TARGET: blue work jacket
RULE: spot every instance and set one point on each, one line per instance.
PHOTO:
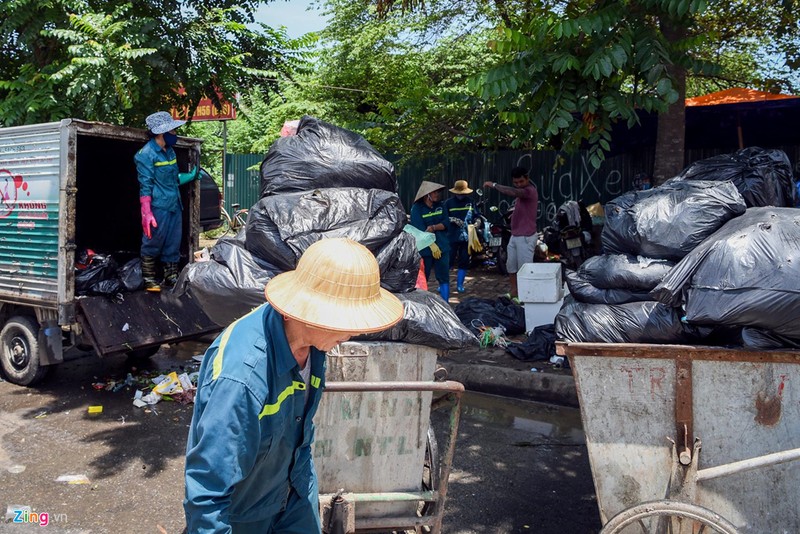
(158, 176)
(461, 208)
(251, 432)
(422, 216)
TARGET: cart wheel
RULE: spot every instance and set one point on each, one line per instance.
(668, 516)
(430, 472)
(19, 351)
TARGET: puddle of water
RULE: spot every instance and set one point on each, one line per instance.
(557, 423)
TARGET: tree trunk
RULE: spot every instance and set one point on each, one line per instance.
(671, 135)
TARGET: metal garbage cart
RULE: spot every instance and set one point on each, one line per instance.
(377, 459)
(691, 439)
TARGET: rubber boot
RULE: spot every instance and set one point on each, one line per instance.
(149, 274)
(444, 291)
(170, 274)
(462, 274)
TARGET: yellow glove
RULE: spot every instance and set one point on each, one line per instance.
(437, 252)
(473, 243)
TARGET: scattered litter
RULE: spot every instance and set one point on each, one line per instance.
(167, 385)
(126, 327)
(558, 361)
(95, 409)
(74, 479)
(198, 357)
(41, 415)
(140, 400)
(493, 337)
(534, 370)
(15, 469)
(122, 418)
(488, 361)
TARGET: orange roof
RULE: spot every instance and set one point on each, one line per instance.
(735, 95)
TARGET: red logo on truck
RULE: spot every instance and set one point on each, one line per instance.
(9, 184)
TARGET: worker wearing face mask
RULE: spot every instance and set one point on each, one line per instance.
(160, 201)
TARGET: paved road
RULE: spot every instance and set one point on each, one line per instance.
(513, 472)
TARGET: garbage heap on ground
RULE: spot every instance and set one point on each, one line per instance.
(710, 257)
(323, 182)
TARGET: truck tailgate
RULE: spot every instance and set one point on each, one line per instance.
(141, 320)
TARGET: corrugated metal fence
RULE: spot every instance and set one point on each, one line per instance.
(559, 177)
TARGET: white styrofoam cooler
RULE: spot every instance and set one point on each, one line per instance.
(540, 282)
(539, 313)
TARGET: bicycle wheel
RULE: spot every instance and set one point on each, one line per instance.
(669, 517)
(225, 227)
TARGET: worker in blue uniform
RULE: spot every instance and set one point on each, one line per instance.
(249, 467)
(429, 215)
(160, 200)
(459, 208)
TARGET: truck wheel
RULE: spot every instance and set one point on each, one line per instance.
(19, 351)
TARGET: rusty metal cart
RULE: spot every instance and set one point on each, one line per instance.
(645, 410)
(376, 456)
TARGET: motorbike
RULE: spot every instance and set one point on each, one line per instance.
(569, 235)
(500, 231)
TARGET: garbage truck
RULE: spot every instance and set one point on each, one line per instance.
(69, 187)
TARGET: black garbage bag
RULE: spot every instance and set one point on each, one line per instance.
(322, 155)
(399, 263)
(746, 274)
(106, 288)
(667, 222)
(130, 275)
(540, 345)
(476, 312)
(281, 227)
(229, 285)
(763, 177)
(755, 338)
(101, 267)
(624, 271)
(582, 291)
(635, 322)
(427, 320)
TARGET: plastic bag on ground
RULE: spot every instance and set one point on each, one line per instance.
(624, 271)
(746, 274)
(230, 285)
(427, 320)
(763, 177)
(321, 155)
(636, 322)
(582, 291)
(399, 263)
(281, 227)
(477, 312)
(540, 345)
(667, 222)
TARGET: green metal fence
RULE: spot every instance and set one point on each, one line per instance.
(559, 177)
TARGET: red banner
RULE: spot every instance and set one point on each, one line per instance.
(206, 111)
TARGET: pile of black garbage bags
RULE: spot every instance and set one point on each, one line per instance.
(323, 182)
(710, 257)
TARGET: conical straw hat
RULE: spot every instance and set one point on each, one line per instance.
(427, 187)
(461, 188)
(336, 286)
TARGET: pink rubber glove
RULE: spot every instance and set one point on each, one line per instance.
(147, 216)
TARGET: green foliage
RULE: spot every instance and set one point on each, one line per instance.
(568, 76)
(118, 61)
